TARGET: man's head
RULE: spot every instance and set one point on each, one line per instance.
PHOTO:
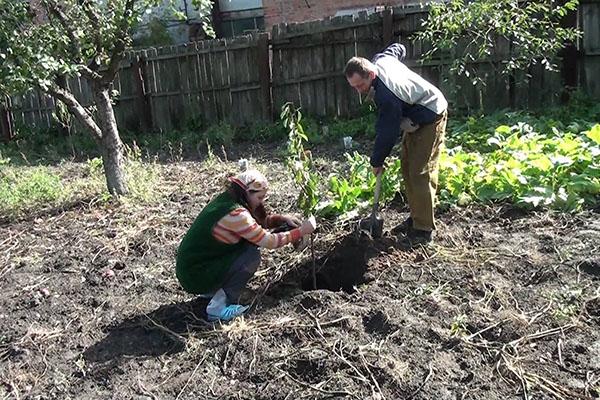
(360, 73)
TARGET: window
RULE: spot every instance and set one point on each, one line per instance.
(240, 16)
(241, 26)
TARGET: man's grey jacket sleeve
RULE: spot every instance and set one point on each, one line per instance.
(395, 50)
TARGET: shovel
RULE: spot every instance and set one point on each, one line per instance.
(375, 223)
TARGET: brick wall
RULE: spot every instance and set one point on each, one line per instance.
(278, 11)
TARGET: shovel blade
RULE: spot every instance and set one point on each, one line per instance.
(373, 225)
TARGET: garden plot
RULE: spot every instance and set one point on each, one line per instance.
(504, 305)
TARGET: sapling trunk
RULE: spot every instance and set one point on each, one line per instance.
(300, 163)
(314, 264)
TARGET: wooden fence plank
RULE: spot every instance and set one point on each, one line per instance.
(590, 17)
(263, 69)
(6, 120)
(209, 84)
(319, 86)
(186, 114)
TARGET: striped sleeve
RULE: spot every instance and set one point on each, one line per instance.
(239, 223)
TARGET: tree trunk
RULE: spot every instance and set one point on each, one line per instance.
(112, 147)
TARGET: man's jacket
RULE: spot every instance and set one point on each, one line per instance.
(400, 93)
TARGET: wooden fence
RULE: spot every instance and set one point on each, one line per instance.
(590, 21)
(245, 80)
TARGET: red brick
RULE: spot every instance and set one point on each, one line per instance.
(278, 11)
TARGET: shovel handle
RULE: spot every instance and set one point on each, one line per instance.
(377, 193)
(376, 198)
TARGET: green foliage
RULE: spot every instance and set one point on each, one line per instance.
(458, 327)
(23, 187)
(300, 162)
(142, 175)
(263, 131)
(567, 302)
(468, 32)
(553, 168)
(49, 39)
(352, 188)
(157, 35)
(62, 118)
(27, 187)
(550, 160)
(222, 133)
(362, 126)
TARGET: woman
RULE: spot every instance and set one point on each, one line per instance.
(220, 252)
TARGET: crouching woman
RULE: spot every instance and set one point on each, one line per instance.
(221, 250)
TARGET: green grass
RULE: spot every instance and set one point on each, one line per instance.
(24, 189)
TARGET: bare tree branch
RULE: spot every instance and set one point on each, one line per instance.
(121, 41)
(77, 109)
(89, 73)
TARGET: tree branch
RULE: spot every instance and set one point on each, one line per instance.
(67, 24)
(89, 73)
(87, 7)
(117, 53)
(77, 109)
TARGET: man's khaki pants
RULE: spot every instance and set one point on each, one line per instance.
(420, 165)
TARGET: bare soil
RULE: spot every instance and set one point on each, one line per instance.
(504, 305)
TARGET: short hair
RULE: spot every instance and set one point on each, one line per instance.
(357, 65)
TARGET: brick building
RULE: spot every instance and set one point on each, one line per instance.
(278, 11)
(235, 17)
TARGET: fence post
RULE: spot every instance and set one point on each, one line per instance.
(6, 120)
(570, 60)
(388, 27)
(141, 98)
(264, 72)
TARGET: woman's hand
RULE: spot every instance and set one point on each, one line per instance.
(308, 226)
(292, 221)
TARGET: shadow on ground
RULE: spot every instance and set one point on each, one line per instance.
(153, 334)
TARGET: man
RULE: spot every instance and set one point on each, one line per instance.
(414, 110)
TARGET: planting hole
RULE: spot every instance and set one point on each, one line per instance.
(342, 269)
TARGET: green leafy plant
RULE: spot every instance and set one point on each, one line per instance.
(300, 162)
(458, 327)
(568, 303)
(220, 134)
(551, 160)
(352, 188)
(464, 34)
(25, 187)
(555, 169)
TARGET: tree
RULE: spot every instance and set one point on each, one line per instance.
(470, 32)
(44, 42)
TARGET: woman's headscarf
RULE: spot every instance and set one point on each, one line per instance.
(251, 181)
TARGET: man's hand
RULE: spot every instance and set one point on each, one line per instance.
(407, 126)
(378, 170)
